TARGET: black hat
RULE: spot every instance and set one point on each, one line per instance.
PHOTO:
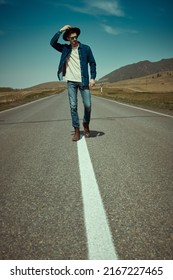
(69, 31)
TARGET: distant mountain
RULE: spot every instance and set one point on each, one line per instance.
(140, 69)
(49, 85)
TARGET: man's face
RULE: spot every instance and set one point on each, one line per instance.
(73, 39)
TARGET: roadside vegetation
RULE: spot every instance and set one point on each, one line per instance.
(10, 98)
(160, 100)
(152, 91)
(155, 91)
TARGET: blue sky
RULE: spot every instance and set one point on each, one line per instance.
(119, 32)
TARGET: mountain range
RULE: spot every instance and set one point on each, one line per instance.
(139, 69)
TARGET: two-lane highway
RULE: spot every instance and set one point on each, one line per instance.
(110, 196)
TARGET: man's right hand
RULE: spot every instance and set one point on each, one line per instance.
(66, 27)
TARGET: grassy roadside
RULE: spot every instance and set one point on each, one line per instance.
(157, 100)
(10, 98)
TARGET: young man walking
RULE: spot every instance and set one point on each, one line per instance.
(73, 67)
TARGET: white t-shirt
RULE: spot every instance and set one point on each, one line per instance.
(73, 69)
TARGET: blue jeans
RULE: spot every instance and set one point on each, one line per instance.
(73, 100)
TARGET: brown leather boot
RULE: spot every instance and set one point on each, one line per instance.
(86, 130)
(76, 135)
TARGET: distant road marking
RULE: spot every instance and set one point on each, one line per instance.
(139, 108)
(100, 244)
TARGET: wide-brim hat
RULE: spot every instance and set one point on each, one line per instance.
(69, 31)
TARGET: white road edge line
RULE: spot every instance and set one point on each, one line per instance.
(139, 108)
(26, 104)
(99, 237)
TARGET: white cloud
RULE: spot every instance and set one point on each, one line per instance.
(97, 7)
(116, 30)
(110, 30)
(106, 7)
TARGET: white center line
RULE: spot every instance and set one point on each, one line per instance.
(100, 244)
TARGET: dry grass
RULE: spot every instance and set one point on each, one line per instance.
(11, 98)
(154, 91)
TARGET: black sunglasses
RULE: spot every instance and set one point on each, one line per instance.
(73, 37)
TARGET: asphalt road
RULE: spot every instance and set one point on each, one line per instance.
(42, 202)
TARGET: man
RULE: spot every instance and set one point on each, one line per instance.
(73, 66)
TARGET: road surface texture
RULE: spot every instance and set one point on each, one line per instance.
(106, 197)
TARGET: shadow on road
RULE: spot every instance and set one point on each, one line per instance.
(93, 133)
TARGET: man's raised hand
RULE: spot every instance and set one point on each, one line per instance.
(65, 27)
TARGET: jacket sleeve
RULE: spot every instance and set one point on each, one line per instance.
(54, 42)
(92, 64)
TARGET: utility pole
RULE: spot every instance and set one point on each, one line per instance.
(101, 88)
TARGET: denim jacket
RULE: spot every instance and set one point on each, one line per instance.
(85, 56)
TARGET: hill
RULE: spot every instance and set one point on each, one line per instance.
(49, 85)
(136, 70)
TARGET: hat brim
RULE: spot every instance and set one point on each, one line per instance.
(71, 30)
